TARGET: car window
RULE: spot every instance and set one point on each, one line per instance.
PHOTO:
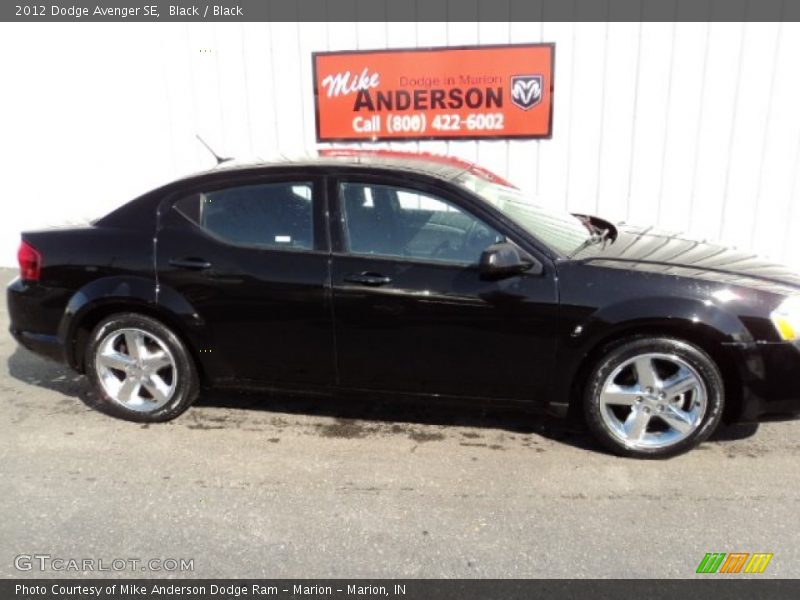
(273, 215)
(558, 229)
(392, 221)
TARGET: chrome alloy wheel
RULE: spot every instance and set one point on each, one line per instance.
(136, 369)
(653, 400)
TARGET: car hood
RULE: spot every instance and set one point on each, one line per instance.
(646, 248)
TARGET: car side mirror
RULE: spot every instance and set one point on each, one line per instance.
(506, 260)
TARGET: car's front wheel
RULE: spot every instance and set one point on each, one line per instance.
(653, 397)
(140, 370)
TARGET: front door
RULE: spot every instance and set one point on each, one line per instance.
(251, 259)
(412, 313)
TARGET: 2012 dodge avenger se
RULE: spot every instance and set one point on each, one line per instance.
(411, 274)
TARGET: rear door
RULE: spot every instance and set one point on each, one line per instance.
(251, 258)
(412, 312)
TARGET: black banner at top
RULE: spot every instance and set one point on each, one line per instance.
(401, 10)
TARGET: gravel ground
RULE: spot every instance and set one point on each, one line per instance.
(265, 486)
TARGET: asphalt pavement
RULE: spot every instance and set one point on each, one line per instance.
(248, 485)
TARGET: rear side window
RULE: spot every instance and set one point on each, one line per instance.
(270, 215)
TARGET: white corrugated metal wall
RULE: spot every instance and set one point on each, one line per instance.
(693, 126)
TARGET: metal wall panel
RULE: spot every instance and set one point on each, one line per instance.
(691, 126)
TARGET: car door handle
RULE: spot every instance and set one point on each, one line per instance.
(370, 279)
(195, 264)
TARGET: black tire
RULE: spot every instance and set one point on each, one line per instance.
(618, 354)
(187, 383)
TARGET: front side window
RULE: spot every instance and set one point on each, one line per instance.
(269, 215)
(390, 221)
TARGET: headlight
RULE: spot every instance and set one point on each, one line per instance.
(786, 318)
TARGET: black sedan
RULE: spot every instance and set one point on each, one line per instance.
(413, 275)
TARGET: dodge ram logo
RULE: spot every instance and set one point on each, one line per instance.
(526, 90)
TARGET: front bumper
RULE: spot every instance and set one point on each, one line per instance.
(770, 377)
(779, 386)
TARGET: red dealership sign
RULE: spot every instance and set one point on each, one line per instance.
(435, 93)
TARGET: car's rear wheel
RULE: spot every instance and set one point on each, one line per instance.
(140, 370)
(653, 397)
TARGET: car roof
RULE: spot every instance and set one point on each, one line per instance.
(438, 166)
(446, 168)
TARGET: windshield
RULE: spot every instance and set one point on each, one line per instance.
(559, 230)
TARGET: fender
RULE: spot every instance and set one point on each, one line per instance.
(193, 327)
(693, 318)
(706, 317)
(133, 293)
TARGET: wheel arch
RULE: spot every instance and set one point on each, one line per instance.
(708, 339)
(105, 297)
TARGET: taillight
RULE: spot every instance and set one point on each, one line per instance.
(30, 262)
